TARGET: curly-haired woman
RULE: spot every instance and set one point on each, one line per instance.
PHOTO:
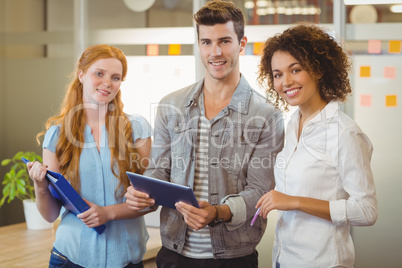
(324, 182)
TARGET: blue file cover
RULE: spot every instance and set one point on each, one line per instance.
(166, 194)
(62, 190)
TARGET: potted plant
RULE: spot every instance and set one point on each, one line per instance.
(17, 184)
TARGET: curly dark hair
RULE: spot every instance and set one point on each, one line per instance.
(318, 53)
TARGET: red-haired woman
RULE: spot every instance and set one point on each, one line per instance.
(92, 142)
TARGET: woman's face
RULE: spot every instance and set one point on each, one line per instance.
(292, 82)
(102, 81)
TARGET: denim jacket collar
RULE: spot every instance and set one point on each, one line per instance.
(240, 100)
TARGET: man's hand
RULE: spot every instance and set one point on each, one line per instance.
(137, 200)
(197, 218)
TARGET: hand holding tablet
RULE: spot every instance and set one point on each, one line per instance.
(165, 194)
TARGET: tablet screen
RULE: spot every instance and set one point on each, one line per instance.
(165, 194)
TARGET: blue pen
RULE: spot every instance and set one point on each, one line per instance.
(255, 216)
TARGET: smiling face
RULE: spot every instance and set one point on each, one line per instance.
(293, 83)
(219, 50)
(102, 81)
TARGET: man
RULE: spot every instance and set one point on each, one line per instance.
(220, 137)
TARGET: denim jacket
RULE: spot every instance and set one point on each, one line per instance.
(245, 139)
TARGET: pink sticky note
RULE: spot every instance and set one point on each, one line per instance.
(374, 46)
(152, 50)
(365, 100)
(390, 72)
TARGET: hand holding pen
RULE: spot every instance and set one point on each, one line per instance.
(255, 216)
(274, 200)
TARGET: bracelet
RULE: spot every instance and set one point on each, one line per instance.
(219, 217)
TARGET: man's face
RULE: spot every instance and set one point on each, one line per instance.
(219, 50)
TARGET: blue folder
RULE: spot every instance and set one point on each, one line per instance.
(62, 190)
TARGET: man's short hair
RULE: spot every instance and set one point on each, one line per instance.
(220, 12)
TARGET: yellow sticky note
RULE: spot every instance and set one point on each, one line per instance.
(394, 46)
(374, 46)
(391, 100)
(365, 71)
(152, 50)
(365, 100)
(174, 49)
(390, 72)
(257, 48)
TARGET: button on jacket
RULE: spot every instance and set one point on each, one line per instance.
(244, 140)
(331, 161)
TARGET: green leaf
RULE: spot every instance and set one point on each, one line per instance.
(21, 189)
(18, 155)
(2, 200)
(12, 194)
(21, 173)
(5, 162)
(21, 182)
(7, 178)
(6, 190)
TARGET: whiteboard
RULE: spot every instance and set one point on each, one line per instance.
(149, 79)
(380, 245)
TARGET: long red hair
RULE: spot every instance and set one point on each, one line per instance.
(72, 121)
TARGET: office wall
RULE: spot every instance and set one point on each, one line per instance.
(2, 68)
(380, 245)
(2, 101)
(31, 92)
(12, 102)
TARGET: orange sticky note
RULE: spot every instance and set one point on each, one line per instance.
(390, 72)
(365, 71)
(152, 50)
(257, 48)
(391, 100)
(174, 49)
(374, 46)
(394, 46)
(365, 100)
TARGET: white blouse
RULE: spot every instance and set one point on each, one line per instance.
(331, 161)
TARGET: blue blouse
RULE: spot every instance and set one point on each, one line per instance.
(123, 241)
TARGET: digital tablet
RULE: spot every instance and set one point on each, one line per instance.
(165, 194)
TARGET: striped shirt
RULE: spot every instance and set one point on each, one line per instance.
(198, 243)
